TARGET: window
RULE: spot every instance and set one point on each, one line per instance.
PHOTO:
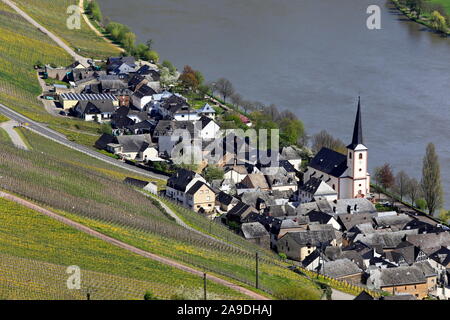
(334, 187)
(208, 198)
(360, 156)
(350, 155)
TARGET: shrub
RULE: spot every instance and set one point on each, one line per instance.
(149, 296)
(294, 293)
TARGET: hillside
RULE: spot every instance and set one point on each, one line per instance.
(91, 192)
(36, 250)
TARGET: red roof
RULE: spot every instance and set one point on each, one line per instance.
(244, 119)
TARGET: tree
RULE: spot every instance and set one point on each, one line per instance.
(413, 189)
(401, 183)
(151, 56)
(225, 88)
(431, 179)
(444, 215)
(438, 22)
(128, 41)
(324, 139)
(213, 172)
(236, 100)
(167, 64)
(191, 78)
(384, 176)
(149, 44)
(292, 131)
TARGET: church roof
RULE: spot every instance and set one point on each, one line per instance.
(357, 130)
(330, 162)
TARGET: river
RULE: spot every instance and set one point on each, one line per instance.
(314, 57)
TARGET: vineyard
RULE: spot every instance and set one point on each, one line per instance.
(22, 46)
(101, 201)
(53, 16)
(35, 251)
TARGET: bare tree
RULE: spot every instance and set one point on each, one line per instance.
(325, 140)
(225, 88)
(413, 190)
(401, 183)
(237, 100)
(431, 179)
(272, 112)
(385, 177)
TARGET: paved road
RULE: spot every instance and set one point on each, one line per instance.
(59, 42)
(59, 138)
(120, 244)
(16, 139)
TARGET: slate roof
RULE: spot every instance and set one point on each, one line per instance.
(134, 143)
(104, 140)
(330, 162)
(387, 240)
(362, 206)
(400, 276)
(225, 198)
(289, 153)
(310, 258)
(426, 268)
(167, 127)
(364, 296)
(280, 210)
(136, 182)
(340, 268)
(310, 237)
(95, 107)
(357, 130)
(348, 220)
(398, 221)
(318, 216)
(240, 210)
(196, 186)
(441, 256)
(254, 230)
(144, 91)
(180, 179)
(430, 240)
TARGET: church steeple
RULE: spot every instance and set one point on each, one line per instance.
(357, 130)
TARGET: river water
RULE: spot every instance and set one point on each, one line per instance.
(314, 57)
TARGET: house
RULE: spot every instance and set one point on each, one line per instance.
(388, 241)
(146, 185)
(394, 222)
(430, 274)
(98, 111)
(225, 185)
(298, 245)
(406, 254)
(316, 189)
(134, 147)
(104, 140)
(180, 182)
(349, 220)
(225, 202)
(364, 296)
(291, 155)
(313, 261)
(168, 133)
(70, 100)
(323, 218)
(235, 173)
(208, 128)
(343, 269)
(121, 65)
(142, 96)
(239, 213)
(429, 242)
(440, 261)
(255, 181)
(200, 197)
(151, 74)
(207, 111)
(401, 280)
(347, 174)
(256, 233)
(281, 182)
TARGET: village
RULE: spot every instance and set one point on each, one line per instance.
(317, 212)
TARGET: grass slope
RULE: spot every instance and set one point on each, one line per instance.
(53, 16)
(36, 250)
(95, 196)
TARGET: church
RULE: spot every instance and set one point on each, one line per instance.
(346, 174)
